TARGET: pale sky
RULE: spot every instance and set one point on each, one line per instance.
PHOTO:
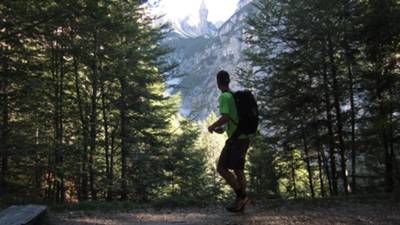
(218, 10)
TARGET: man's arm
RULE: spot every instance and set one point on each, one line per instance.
(221, 121)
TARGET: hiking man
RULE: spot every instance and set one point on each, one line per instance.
(233, 154)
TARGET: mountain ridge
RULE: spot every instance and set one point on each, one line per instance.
(202, 57)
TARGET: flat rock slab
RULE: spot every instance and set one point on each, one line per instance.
(22, 214)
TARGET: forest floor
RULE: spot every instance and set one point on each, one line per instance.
(359, 210)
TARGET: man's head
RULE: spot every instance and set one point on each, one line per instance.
(223, 80)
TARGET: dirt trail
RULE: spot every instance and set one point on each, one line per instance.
(281, 213)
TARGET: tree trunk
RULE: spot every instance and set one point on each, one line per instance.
(326, 168)
(321, 180)
(106, 140)
(53, 164)
(293, 169)
(93, 119)
(332, 158)
(123, 136)
(307, 160)
(58, 192)
(83, 189)
(339, 120)
(321, 160)
(60, 155)
(349, 60)
(38, 165)
(388, 163)
(4, 138)
(113, 135)
(386, 133)
(353, 132)
(391, 140)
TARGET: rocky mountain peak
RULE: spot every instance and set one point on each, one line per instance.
(242, 3)
(201, 57)
(186, 28)
(203, 23)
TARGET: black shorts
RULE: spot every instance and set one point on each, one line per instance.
(233, 154)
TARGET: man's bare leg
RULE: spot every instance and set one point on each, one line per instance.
(229, 178)
(241, 179)
(237, 181)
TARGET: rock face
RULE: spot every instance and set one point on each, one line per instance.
(201, 57)
(243, 3)
(203, 27)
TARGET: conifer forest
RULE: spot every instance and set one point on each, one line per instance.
(85, 114)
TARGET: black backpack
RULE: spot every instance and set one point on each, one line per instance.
(247, 108)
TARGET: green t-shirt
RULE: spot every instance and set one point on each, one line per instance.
(227, 105)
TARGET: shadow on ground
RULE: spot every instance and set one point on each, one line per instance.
(307, 212)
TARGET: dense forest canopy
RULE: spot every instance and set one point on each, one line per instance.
(84, 114)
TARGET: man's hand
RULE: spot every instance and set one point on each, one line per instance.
(219, 123)
(219, 130)
(211, 129)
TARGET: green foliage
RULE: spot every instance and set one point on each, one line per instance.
(291, 169)
(186, 164)
(213, 144)
(264, 166)
(324, 73)
(84, 115)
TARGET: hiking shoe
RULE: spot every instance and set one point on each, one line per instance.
(239, 205)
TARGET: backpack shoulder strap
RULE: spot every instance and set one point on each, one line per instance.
(233, 96)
